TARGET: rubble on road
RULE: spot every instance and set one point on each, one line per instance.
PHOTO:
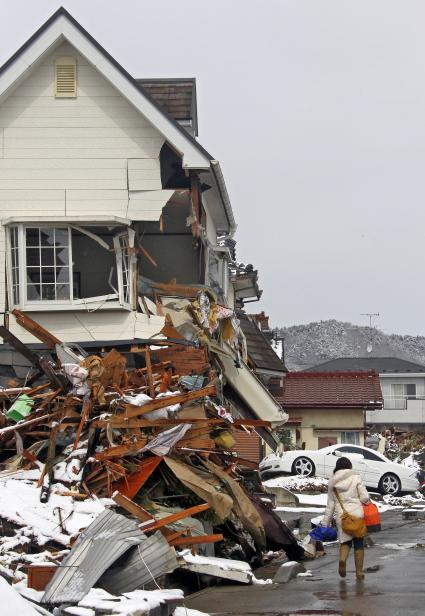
(112, 474)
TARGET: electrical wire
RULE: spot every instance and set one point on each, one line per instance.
(149, 571)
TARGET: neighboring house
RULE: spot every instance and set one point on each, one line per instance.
(268, 367)
(107, 198)
(328, 408)
(403, 389)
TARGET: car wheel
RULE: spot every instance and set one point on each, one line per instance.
(303, 467)
(389, 484)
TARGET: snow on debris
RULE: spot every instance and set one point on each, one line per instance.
(410, 462)
(298, 484)
(16, 605)
(135, 603)
(226, 564)
(406, 500)
(20, 504)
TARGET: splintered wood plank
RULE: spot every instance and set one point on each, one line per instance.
(133, 508)
(134, 411)
(131, 484)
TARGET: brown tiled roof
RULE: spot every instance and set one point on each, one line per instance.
(332, 389)
(177, 96)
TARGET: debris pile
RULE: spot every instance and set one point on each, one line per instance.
(116, 466)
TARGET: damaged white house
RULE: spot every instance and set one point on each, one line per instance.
(104, 188)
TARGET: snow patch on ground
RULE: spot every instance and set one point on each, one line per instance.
(184, 611)
(294, 483)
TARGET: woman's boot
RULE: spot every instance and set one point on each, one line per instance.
(344, 551)
(359, 560)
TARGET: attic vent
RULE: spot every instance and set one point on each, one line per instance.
(65, 78)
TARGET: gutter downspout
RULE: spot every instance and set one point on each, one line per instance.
(224, 195)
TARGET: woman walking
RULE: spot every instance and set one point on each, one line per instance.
(351, 495)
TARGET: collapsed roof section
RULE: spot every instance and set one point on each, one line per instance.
(177, 97)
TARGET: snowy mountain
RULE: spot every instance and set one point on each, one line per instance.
(311, 344)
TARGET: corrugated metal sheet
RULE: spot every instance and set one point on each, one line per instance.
(135, 569)
(100, 545)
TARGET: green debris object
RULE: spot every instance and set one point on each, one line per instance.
(20, 409)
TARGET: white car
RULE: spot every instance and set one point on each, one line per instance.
(376, 471)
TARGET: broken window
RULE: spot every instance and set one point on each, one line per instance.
(68, 264)
(171, 244)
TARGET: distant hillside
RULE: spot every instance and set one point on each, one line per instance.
(307, 345)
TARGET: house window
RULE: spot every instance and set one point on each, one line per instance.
(400, 393)
(48, 264)
(69, 265)
(351, 438)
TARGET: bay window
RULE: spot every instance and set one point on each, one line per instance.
(67, 265)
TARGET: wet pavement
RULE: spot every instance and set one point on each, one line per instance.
(394, 585)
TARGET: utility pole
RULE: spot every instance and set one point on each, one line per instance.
(370, 315)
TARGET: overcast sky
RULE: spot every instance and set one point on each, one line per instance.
(316, 110)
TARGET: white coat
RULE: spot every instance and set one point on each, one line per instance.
(352, 494)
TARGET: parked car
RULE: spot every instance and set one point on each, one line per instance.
(375, 469)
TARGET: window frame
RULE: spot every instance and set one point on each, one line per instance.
(69, 304)
(356, 432)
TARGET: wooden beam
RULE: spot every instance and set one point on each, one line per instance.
(197, 539)
(121, 450)
(116, 421)
(35, 329)
(133, 508)
(84, 413)
(134, 411)
(149, 372)
(30, 422)
(175, 517)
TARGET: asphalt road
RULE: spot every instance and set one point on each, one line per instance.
(397, 587)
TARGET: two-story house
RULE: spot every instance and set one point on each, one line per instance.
(403, 389)
(107, 199)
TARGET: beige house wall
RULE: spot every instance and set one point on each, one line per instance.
(327, 423)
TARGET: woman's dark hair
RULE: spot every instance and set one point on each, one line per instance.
(341, 464)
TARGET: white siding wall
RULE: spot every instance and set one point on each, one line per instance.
(75, 156)
(83, 156)
(82, 326)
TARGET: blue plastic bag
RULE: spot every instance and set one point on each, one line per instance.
(323, 533)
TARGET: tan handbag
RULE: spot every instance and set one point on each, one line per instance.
(351, 525)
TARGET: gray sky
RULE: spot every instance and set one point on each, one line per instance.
(316, 110)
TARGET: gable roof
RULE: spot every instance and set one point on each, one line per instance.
(332, 390)
(260, 351)
(68, 27)
(176, 95)
(381, 365)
